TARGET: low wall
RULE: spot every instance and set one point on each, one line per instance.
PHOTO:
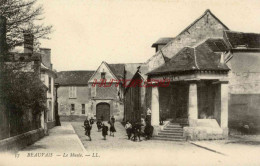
(69, 118)
(20, 141)
(52, 124)
(204, 129)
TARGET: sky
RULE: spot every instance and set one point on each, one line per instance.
(87, 32)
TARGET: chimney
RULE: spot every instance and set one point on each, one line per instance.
(46, 57)
(28, 42)
(3, 46)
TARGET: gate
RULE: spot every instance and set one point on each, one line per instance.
(103, 109)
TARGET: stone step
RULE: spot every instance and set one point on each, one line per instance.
(173, 125)
(180, 128)
(171, 131)
(170, 134)
(168, 139)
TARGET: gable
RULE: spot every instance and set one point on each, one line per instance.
(103, 68)
(204, 27)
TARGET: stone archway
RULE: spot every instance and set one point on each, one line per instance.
(103, 109)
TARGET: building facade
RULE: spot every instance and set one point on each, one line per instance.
(208, 103)
(48, 76)
(74, 94)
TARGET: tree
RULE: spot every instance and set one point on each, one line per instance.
(23, 95)
(21, 91)
(23, 16)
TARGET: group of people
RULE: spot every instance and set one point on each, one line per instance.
(137, 129)
(101, 127)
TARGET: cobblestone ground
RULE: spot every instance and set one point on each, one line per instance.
(152, 152)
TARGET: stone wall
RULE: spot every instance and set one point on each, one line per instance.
(20, 141)
(83, 97)
(205, 27)
(244, 89)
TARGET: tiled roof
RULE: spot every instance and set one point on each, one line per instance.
(240, 39)
(117, 69)
(216, 45)
(163, 40)
(200, 57)
(73, 77)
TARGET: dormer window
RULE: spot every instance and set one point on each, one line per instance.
(103, 75)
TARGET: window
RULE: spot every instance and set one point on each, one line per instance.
(83, 108)
(72, 108)
(72, 92)
(50, 84)
(103, 75)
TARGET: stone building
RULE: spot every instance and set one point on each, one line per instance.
(243, 59)
(214, 94)
(94, 93)
(73, 93)
(197, 95)
(48, 76)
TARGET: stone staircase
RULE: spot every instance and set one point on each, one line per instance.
(171, 132)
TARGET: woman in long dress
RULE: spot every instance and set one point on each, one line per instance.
(112, 128)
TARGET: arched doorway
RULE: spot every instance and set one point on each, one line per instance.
(103, 109)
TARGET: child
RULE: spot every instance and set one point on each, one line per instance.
(137, 131)
(99, 124)
(104, 130)
(91, 121)
(128, 128)
(112, 128)
(88, 128)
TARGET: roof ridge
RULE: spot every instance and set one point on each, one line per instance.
(195, 59)
(74, 70)
(242, 32)
(204, 40)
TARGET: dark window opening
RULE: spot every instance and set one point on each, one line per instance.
(103, 75)
(72, 109)
(83, 108)
(50, 84)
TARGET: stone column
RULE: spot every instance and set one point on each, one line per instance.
(193, 104)
(224, 108)
(155, 107)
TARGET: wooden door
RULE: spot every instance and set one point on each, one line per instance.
(103, 109)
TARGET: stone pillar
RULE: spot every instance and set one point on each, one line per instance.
(155, 107)
(224, 108)
(193, 104)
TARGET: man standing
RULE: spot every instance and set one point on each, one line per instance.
(148, 115)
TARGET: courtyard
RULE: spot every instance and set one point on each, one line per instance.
(69, 139)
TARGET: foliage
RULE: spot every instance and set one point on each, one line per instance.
(21, 88)
(23, 16)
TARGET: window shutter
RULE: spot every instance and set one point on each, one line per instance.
(70, 92)
(75, 92)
